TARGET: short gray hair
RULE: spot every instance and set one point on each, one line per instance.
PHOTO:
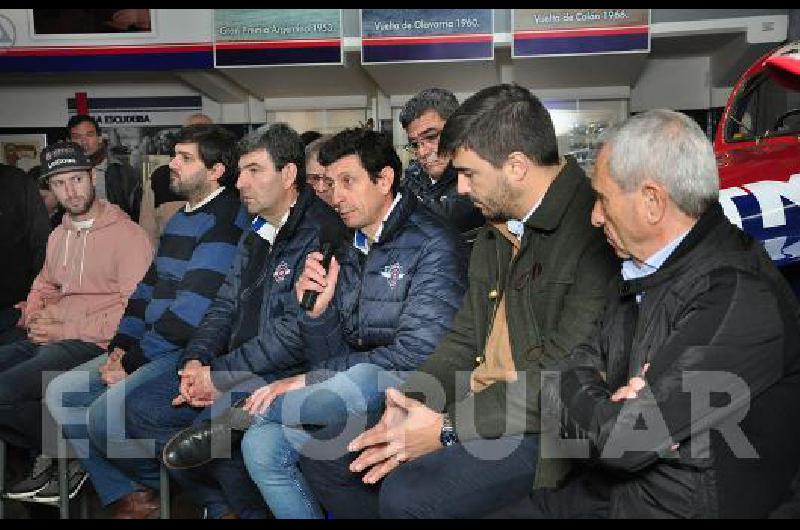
(670, 148)
(439, 100)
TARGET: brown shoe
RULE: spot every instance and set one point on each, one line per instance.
(229, 515)
(137, 505)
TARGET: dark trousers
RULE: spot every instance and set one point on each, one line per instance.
(582, 496)
(222, 485)
(24, 368)
(464, 480)
(9, 332)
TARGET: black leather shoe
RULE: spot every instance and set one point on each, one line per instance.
(200, 444)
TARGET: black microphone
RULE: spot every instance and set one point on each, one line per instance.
(330, 237)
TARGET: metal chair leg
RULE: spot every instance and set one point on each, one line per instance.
(164, 491)
(63, 479)
(84, 503)
(2, 478)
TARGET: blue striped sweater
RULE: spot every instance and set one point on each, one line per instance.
(194, 254)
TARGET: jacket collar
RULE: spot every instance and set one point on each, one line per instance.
(397, 220)
(296, 213)
(448, 178)
(684, 255)
(548, 215)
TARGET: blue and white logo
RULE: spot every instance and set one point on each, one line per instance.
(393, 273)
(282, 271)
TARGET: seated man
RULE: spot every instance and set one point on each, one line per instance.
(249, 335)
(93, 262)
(159, 202)
(408, 286)
(194, 255)
(536, 283)
(431, 176)
(687, 393)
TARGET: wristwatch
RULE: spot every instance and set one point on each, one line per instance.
(448, 435)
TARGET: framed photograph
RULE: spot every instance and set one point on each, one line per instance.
(21, 150)
(64, 23)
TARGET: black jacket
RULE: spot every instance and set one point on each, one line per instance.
(124, 187)
(443, 198)
(719, 327)
(273, 344)
(24, 228)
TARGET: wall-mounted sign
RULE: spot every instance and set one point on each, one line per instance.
(81, 40)
(140, 111)
(265, 37)
(415, 35)
(579, 31)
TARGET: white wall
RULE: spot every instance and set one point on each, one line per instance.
(46, 106)
(681, 83)
(720, 95)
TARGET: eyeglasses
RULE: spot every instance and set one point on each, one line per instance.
(428, 137)
(319, 180)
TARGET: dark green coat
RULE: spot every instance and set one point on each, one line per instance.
(555, 288)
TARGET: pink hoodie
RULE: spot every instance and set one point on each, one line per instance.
(88, 276)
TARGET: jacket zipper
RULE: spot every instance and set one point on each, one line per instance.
(360, 289)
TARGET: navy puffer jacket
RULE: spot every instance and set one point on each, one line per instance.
(277, 347)
(393, 306)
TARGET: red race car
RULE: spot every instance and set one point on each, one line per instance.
(758, 152)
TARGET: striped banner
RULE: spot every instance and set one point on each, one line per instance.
(579, 32)
(86, 58)
(417, 35)
(139, 111)
(279, 52)
(441, 48)
(271, 37)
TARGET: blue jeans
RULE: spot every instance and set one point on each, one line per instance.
(221, 486)
(271, 449)
(25, 369)
(92, 418)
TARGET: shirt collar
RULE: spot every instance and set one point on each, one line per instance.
(516, 226)
(266, 230)
(631, 270)
(83, 225)
(205, 201)
(362, 242)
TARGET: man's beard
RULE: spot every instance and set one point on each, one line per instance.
(495, 208)
(86, 205)
(185, 188)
